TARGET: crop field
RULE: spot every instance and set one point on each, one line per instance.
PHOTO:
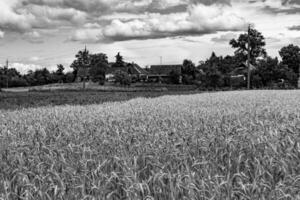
(33, 99)
(230, 145)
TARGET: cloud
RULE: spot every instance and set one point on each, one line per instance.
(290, 2)
(294, 28)
(224, 38)
(24, 68)
(10, 19)
(33, 37)
(86, 35)
(34, 59)
(198, 20)
(46, 17)
(279, 6)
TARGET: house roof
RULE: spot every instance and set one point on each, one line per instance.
(112, 70)
(165, 69)
(252, 67)
(136, 69)
(130, 68)
(243, 68)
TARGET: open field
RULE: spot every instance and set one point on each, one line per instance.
(20, 100)
(230, 145)
(136, 87)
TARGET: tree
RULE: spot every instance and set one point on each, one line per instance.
(189, 68)
(257, 44)
(291, 57)
(175, 77)
(60, 70)
(122, 78)
(99, 65)
(98, 58)
(82, 60)
(189, 72)
(267, 69)
(83, 57)
(119, 61)
(212, 76)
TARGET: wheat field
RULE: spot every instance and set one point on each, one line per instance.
(232, 145)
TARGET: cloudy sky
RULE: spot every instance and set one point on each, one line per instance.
(35, 33)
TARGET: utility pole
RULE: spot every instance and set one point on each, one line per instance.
(248, 63)
(6, 72)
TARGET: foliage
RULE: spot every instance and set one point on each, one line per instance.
(69, 77)
(119, 61)
(233, 145)
(291, 57)
(257, 43)
(82, 60)
(60, 70)
(175, 77)
(122, 78)
(212, 76)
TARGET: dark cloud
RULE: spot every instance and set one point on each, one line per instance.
(82, 5)
(290, 2)
(291, 10)
(169, 10)
(294, 28)
(210, 2)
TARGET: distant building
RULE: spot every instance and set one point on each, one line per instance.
(134, 70)
(165, 70)
(160, 73)
(239, 75)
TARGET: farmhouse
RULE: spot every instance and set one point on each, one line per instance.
(238, 76)
(133, 69)
(161, 73)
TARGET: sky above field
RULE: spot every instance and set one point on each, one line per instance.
(35, 33)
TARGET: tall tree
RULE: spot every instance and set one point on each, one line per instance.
(82, 60)
(60, 70)
(99, 65)
(189, 68)
(119, 61)
(98, 58)
(267, 69)
(257, 44)
(212, 75)
(83, 57)
(291, 57)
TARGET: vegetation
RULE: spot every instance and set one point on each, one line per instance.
(232, 145)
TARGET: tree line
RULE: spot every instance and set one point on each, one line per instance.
(215, 72)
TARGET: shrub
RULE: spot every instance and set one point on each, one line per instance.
(122, 78)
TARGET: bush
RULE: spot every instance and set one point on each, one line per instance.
(122, 78)
(69, 77)
(175, 77)
(18, 82)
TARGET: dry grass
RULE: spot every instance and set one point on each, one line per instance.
(232, 145)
